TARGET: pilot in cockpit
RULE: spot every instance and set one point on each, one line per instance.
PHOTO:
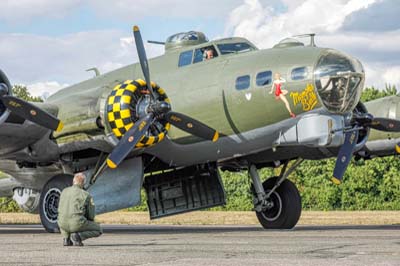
(208, 54)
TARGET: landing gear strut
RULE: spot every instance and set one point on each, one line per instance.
(277, 201)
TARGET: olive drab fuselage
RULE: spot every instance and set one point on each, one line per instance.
(206, 90)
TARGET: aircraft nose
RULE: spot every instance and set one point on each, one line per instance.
(339, 80)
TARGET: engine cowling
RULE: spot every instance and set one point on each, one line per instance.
(363, 133)
(128, 102)
(5, 90)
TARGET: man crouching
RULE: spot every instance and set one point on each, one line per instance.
(76, 213)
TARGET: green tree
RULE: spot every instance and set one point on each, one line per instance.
(372, 93)
(23, 93)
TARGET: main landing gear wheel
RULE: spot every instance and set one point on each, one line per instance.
(49, 199)
(284, 205)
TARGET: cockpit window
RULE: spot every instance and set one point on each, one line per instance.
(204, 53)
(230, 48)
(185, 58)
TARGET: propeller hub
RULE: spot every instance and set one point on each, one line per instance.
(160, 108)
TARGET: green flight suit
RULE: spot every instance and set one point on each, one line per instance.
(76, 213)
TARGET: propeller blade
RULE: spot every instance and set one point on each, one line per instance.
(32, 113)
(192, 126)
(385, 124)
(344, 156)
(129, 141)
(142, 58)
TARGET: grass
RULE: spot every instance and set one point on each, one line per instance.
(226, 218)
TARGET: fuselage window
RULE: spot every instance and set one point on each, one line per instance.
(185, 58)
(243, 82)
(299, 73)
(204, 53)
(264, 78)
(230, 48)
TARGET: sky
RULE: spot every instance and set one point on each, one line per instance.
(47, 44)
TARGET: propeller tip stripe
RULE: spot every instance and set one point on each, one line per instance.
(398, 148)
(60, 127)
(336, 181)
(111, 164)
(216, 136)
(135, 28)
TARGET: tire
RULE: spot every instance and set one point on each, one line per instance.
(49, 199)
(287, 206)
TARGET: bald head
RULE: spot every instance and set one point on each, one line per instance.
(79, 179)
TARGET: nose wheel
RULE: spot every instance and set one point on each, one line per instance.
(277, 201)
(283, 207)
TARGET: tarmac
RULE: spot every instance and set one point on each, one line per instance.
(205, 245)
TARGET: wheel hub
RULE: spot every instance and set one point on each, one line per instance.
(50, 204)
(272, 207)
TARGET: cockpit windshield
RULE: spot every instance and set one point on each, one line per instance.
(339, 80)
(230, 48)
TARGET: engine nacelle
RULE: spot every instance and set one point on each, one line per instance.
(127, 103)
(4, 112)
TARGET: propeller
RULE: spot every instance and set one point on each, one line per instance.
(129, 141)
(361, 121)
(344, 156)
(28, 111)
(156, 109)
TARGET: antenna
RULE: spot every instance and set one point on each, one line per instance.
(312, 38)
(96, 71)
(156, 42)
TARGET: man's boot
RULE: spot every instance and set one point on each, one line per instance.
(76, 239)
(67, 242)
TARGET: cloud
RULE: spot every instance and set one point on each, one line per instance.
(266, 27)
(129, 9)
(380, 16)
(45, 89)
(379, 51)
(33, 59)
(25, 10)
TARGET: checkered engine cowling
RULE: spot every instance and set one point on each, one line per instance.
(122, 111)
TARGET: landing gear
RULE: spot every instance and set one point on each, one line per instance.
(49, 199)
(277, 201)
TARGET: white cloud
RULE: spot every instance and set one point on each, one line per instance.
(17, 11)
(266, 27)
(25, 10)
(45, 89)
(392, 75)
(31, 59)
(379, 51)
(134, 9)
(379, 75)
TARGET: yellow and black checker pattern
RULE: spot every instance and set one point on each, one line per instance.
(120, 106)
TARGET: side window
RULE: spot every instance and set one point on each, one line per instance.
(204, 53)
(299, 73)
(198, 56)
(243, 82)
(264, 78)
(185, 58)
